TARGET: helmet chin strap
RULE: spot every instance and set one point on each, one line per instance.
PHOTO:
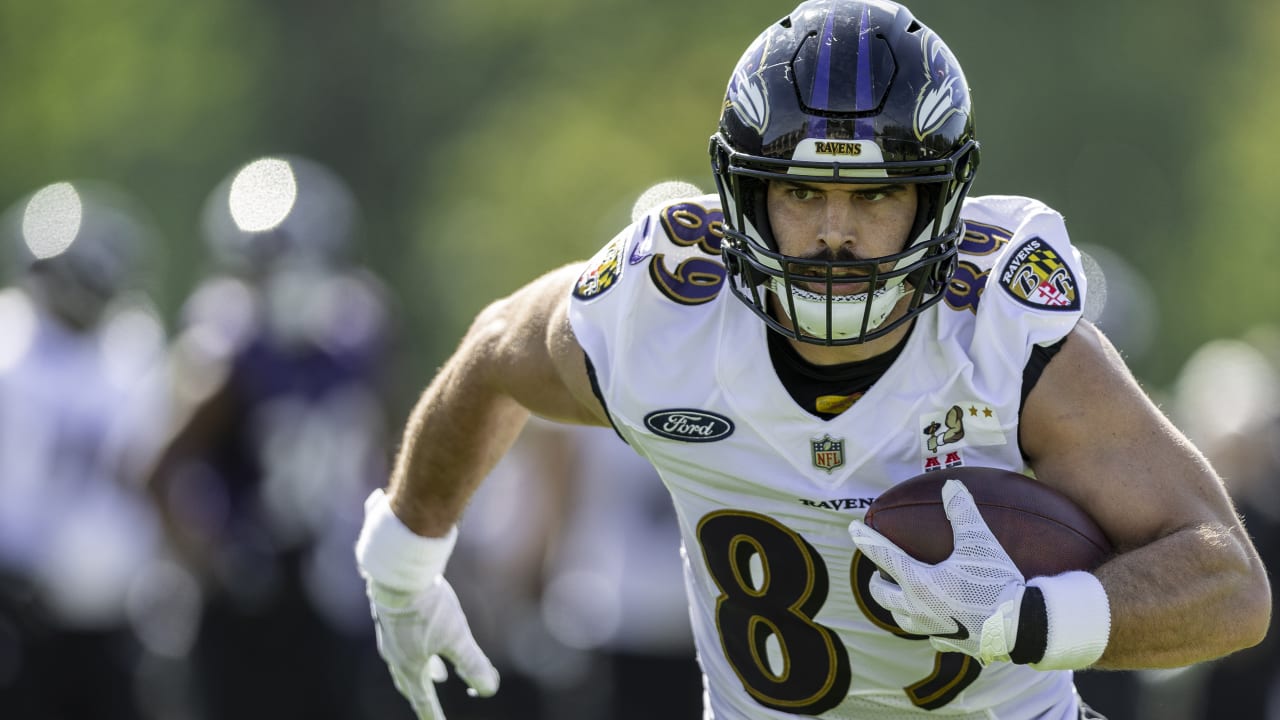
(847, 311)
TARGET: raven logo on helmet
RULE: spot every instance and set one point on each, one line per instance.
(944, 92)
(746, 93)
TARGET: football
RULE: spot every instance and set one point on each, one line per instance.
(1044, 531)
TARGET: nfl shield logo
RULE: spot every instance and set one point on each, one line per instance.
(828, 454)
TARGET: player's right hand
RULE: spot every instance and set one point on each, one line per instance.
(417, 616)
(968, 603)
(414, 630)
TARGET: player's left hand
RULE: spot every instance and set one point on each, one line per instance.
(969, 602)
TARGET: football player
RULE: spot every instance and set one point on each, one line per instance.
(839, 317)
(280, 418)
(82, 397)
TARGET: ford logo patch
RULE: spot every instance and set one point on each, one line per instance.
(689, 425)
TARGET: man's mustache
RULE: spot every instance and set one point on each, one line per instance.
(844, 253)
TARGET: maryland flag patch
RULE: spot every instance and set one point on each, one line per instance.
(603, 271)
(1037, 276)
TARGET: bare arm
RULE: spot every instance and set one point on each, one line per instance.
(520, 356)
(1187, 584)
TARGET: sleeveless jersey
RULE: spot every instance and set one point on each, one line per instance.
(764, 491)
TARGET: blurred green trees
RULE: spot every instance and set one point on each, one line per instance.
(489, 141)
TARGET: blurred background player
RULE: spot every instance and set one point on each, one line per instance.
(571, 560)
(616, 586)
(280, 427)
(86, 593)
(1227, 396)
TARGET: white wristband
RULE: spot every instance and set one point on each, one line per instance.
(392, 555)
(1079, 620)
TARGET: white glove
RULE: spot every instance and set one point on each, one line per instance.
(417, 615)
(968, 603)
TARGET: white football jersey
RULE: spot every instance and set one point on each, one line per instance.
(79, 413)
(765, 491)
